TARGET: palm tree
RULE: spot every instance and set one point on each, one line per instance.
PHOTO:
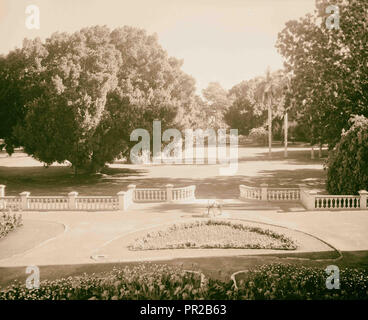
(268, 90)
(287, 88)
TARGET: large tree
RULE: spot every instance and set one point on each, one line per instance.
(90, 89)
(348, 164)
(217, 102)
(329, 67)
(253, 100)
(245, 113)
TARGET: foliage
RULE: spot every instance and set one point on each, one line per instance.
(213, 234)
(216, 104)
(347, 164)
(329, 68)
(162, 282)
(251, 99)
(299, 132)
(290, 282)
(259, 135)
(9, 222)
(244, 114)
(82, 94)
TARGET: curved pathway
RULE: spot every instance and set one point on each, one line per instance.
(104, 235)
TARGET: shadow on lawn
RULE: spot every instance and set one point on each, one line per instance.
(225, 187)
(60, 180)
(299, 157)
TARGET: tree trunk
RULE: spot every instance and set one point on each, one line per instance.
(286, 135)
(269, 130)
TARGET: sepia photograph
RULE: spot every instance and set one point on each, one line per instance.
(200, 151)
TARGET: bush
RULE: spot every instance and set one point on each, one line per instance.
(162, 282)
(347, 164)
(144, 281)
(290, 282)
(259, 135)
(9, 222)
(299, 132)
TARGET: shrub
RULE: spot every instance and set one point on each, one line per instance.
(290, 282)
(259, 135)
(162, 282)
(347, 164)
(9, 222)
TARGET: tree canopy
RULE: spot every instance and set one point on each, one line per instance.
(348, 164)
(77, 97)
(329, 67)
(250, 99)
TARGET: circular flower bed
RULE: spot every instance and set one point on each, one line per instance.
(213, 234)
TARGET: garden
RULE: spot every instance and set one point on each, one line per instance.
(8, 222)
(212, 234)
(154, 281)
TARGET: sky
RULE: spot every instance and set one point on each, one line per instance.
(227, 41)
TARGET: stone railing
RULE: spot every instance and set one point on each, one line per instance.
(121, 201)
(269, 194)
(167, 194)
(183, 194)
(45, 203)
(150, 195)
(313, 201)
(337, 202)
(309, 198)
(252, 193)
(283, 194)
(12, 203)
(97, 203)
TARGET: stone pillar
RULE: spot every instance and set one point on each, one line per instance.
(122, 200)
(363, 199)
(24, 200)
(286, 134)
(264, 191)
(131, 194)
(311, 200)
(2, 195)
(169, 188)
(2, 190)
(72, 202)
(194, 189)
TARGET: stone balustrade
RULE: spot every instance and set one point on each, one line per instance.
(121, 201)
(309, 198)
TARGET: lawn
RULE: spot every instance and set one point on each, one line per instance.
(22, 173)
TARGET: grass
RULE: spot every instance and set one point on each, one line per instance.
(213, 234)
(21, 173)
